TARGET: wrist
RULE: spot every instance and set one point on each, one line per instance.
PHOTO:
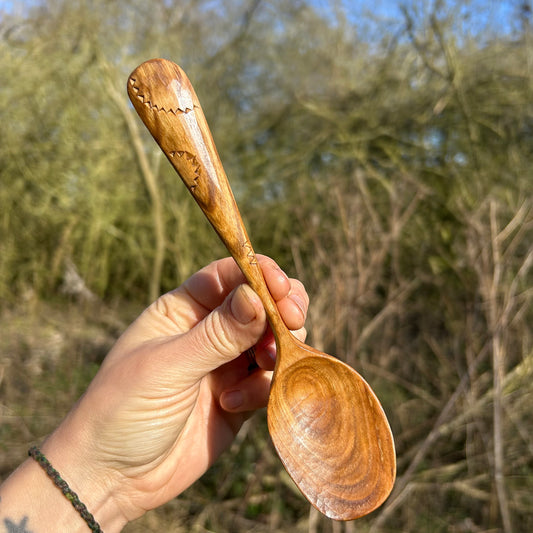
(93, 485)
(31, 502)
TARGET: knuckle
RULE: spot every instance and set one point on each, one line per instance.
(218, 336)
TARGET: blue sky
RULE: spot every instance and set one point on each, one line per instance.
(480, 16)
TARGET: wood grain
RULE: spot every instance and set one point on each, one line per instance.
(326, 423)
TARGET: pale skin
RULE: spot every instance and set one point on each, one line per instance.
(168, 399)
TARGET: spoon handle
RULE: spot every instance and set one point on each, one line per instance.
(165, 100)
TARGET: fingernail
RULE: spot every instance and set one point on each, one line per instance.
(271, 352)
(299, 303)
(276, 268)
(232, 399)
(242, 306)
(281, 278)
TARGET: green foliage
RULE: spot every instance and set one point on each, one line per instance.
(393, 177)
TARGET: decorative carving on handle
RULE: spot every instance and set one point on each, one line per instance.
(252, 259)
(167, 100)
(189, 168)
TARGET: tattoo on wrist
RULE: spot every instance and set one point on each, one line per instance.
(13, 527)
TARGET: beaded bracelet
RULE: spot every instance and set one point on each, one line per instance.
(61, 484)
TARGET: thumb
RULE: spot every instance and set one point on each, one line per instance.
(223, 334)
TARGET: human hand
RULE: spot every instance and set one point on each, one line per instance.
(174, 390)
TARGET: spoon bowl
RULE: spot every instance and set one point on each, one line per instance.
(330, 432)
(326, 423)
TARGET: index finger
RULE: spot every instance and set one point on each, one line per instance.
(211, 285)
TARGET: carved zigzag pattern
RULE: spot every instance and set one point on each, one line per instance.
(192, 163)
(252, 259)
(152, 105)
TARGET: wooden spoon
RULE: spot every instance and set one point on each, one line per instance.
(326, 423)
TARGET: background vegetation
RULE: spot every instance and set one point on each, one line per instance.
(386, 161)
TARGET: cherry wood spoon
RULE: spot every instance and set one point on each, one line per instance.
(326, 423)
